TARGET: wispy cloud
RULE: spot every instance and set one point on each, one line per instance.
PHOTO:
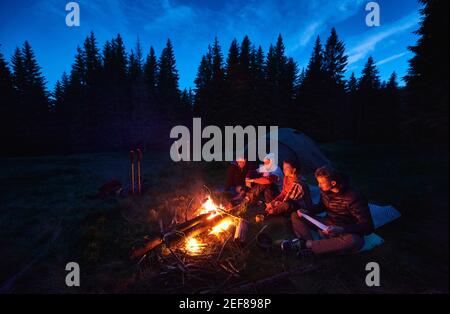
(391, 58)
(321, 14)
(171, 17)
(192, 25)
(369, 41)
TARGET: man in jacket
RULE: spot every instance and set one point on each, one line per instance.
(348, 218)
(237, 172)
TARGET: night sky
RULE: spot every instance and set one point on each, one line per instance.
(192, 25)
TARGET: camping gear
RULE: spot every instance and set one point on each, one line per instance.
(132, 171)
(136, 157)
(111, 188)
(139, 157)
(240, 234)
(296, 145)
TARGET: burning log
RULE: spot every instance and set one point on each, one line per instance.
(155, 241)
(190, 228)
(174, 237)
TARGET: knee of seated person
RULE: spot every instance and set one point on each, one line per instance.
(356, 242)
(294, 216)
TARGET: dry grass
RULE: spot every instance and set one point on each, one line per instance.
(40, 194)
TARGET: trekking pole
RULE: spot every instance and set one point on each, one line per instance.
(139, 157)
(132, 171)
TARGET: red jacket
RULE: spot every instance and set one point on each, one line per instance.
(294, 189)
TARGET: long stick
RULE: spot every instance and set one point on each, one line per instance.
(132, 171)
(139, 157)
(315, 222)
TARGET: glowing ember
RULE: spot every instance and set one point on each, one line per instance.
(221, 227)
(209, 207)
(194, 246)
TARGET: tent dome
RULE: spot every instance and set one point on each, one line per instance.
(293, 144)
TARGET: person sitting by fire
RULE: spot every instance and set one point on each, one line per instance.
(348, 218)
(237, 172)
(266, 183)
(295, 193)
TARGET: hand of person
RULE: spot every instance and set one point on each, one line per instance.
(333, 230)
(269, 208)
(299, 213)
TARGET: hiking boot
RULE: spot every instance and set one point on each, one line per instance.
(294, 245)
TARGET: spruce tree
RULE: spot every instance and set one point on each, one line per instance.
(168, 88)
(231, 111)
(92, 61)
(428, 76)
(201, 84)
(151, 73)
(313, 117)
(352, 84)
(8, 112)
(334, 63)
(135, 67)
(370, 78)
(369, 113)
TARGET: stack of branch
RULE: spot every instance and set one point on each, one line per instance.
(173, 269)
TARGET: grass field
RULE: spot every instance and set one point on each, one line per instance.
(48, 218)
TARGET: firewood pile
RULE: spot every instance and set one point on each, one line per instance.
(194, 267)
(207, 253)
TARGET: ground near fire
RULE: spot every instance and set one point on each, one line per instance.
(52, 214)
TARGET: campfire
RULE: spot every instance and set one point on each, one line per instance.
(195, 245)
(207, 253)
(203, 252)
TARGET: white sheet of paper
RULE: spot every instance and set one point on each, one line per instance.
(315, 222)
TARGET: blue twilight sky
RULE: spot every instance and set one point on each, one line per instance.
(192, 25)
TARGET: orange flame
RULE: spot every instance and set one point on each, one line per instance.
(208, 207)
(222, 226)
(194, 246)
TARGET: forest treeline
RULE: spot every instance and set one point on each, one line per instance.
(114, 99)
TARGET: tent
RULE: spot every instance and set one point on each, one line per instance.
(293, 144)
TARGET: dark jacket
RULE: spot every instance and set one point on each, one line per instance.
(348, 209)
(235, 176)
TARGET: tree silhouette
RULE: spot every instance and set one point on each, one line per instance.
(32, 101)
(151, 73)
(8, 109)
(352, 84)
(311, 95)
(113, 99)
(334, 63)
(427, 78)
(169, 92)
(367, 109)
